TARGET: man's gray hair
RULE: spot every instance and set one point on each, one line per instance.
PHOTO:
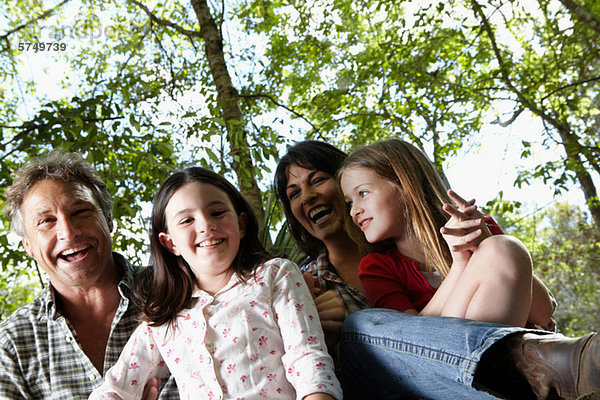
(58, 165)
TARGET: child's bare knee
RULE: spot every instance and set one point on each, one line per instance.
(505, 246)
(507, 252)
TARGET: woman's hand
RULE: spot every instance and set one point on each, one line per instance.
(330, 307)
(465, 229)
(332, 314)
(314, 286)
(151, 389)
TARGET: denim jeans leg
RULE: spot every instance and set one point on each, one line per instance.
(386, 354)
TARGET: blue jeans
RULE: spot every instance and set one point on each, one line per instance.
(386, 354)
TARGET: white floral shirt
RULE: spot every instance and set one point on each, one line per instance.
(261, 339)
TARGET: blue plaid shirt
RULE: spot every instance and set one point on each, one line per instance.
(40, 357)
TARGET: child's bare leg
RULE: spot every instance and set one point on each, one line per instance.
(496, 284)
(542, 304)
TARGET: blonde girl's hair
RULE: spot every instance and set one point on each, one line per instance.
(423, 191)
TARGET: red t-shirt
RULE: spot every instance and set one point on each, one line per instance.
(392, 280)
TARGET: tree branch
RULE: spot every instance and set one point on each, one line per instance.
(278, 104)
(509, 121)
(26, 129)
(228, 100)
(29, 128)
(504, 73)
(596, 78)
(570, 141)
(220, 24)
(164, 22)
(41, 16)
(582, 14)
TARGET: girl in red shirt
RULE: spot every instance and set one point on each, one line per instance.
(447, 258)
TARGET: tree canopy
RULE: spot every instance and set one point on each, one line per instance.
(144, 88)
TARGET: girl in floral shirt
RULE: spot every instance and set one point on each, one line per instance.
(225, 320)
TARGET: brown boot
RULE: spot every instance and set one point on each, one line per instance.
(555, 364)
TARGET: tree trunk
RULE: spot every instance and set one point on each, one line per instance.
(571, 145)
(229, 100)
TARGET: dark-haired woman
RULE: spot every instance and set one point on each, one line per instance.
(306, 186)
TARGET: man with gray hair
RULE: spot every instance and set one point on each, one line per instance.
(60, 345)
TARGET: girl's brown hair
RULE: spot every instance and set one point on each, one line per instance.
(165, 288)
(423, 191)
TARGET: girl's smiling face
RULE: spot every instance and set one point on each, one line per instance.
(375, 204)
(204, 228)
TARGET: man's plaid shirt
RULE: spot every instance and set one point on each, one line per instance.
(353, 299)
(40, 357)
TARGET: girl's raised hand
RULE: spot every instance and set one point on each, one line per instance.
(467, 207)
(465, 229)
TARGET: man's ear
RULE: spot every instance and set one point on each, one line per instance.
(242, 224)
(167, 242)
(27, 246)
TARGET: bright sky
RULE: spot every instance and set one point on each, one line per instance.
(483, 172)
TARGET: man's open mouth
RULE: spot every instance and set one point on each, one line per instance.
(74, 253)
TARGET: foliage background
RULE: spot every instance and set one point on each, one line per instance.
(145, 88)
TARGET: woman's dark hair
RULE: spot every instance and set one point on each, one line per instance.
(309, 154)
(165, 287)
